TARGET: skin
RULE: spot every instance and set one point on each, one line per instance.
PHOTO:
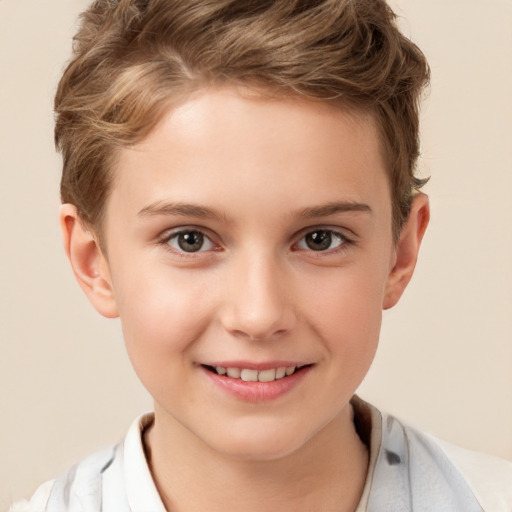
(268, 172)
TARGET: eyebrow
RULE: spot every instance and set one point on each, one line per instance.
(201, 212)
(184, 209)
(335, 207)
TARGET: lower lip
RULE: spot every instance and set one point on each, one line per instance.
(256, 392)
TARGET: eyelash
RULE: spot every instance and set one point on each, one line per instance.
(168, 237)
(165, 240)
(334, 236)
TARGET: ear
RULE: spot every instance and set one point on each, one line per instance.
(406, 252)
(87, 261)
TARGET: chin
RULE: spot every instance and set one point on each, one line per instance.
(266, 443)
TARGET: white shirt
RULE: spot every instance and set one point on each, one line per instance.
(408, 471)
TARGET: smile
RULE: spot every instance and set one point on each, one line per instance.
(251, 375)
(256, 382)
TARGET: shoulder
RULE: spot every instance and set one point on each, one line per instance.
(412, 468)
(38, 501)
(480, 481)
(489, 477)
(79, 488)
(99, 482)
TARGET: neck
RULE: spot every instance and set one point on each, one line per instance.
(326, 473)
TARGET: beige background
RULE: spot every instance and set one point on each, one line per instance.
(445, 361)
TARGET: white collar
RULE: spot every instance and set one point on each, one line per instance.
(140, 486)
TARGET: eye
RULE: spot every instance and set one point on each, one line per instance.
(321, 240)
(190, 241)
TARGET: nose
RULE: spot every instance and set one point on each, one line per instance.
(259, 302)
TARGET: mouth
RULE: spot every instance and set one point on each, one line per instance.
(256, 382)
(253, 375)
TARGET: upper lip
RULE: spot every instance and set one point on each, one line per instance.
(266, 365)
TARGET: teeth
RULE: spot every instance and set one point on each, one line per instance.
(248, 375)
(234, 373)
(267, 375)
(280, 372)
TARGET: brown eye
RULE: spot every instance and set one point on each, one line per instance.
(321, 240)
(190, 241)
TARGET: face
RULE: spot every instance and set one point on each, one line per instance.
(249, 251)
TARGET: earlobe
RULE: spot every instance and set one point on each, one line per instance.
(87, 261)
(407, 250)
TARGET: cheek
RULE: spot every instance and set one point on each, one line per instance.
(351, 320)
(161, 315)
(346, 311)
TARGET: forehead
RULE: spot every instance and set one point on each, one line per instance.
(232, 146)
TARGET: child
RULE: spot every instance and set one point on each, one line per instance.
(238, 188)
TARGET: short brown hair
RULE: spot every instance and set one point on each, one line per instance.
(133, 58)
